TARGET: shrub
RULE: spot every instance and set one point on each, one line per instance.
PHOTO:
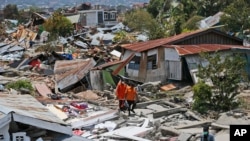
(17, 85)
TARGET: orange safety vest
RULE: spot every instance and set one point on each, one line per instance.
(130, 93)
(120, 90)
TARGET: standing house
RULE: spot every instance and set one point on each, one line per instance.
(91, 17)
(110, 18)
(176, 57)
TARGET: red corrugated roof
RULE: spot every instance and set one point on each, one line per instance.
(142, 46)
(196, 49)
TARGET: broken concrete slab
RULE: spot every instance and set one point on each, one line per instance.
(222, 136)
(169, 131)
(184, 137)
(219, 126)
(193, 115)
(129, 130)
(141, 112)
(195, 130)
(194, 124)
(226, 119)
(144, 104)
(156, 107)
(169, 112)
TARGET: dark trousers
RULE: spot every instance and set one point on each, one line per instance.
(121, 105)
(131, 104)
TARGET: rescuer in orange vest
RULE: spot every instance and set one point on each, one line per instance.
(120, 94)
(131, 97)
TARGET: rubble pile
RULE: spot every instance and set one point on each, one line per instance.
(73, 79)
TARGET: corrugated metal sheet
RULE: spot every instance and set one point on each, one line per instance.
(26, 105)
(15, 48)
(211, 20)
(143, 46)
(69, 72)
(196, 49)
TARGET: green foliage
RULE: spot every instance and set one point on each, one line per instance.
(202, 97)
(58, 25)
(154, 7)
(17, 85)
(141, 21)
(183, 15)
(236, 17)
(191, 24)
(221, 70)
(123, 37)
(10, 11)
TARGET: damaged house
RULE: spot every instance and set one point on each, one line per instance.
(176, 57)
(22, 117)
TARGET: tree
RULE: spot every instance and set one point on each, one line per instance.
(58, 25)
(154, 7)
(202, 97)
(191, 24)
(225, 79)
(141, 21)
(236, 17)
(10, 11)
(123, 37)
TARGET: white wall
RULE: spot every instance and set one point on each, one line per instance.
(91, 18)
(171, 54)
(4, 131)
(131, 73)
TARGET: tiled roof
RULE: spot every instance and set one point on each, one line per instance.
(196, 49)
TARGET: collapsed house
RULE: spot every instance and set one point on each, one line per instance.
(76, 83)
(24, 118)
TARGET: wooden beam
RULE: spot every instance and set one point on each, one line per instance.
(118, 69)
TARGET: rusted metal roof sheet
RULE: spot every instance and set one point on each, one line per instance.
(143, 46)
(196, 49)
(69, 72)
(26, 105)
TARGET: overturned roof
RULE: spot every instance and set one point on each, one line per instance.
(210, 21)
(174, 40)
(196, 49)
(28, 110)
(69, 72)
